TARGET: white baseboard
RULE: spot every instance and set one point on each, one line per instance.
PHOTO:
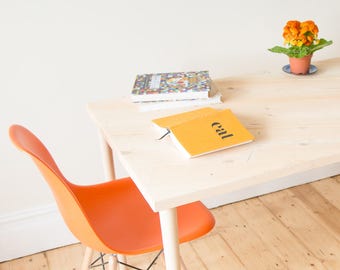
(33, 230)
(275, 185)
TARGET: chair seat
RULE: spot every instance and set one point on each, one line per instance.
(126, 224)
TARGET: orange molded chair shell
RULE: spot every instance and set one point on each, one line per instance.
(110, 217)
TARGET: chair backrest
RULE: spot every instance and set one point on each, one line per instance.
(65, 192)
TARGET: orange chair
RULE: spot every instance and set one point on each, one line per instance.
(110, 217)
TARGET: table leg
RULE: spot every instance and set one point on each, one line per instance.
(168, 219)
(110, 174)
(109, 168)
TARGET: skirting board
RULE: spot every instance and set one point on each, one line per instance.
(30, 231)
(275, 185)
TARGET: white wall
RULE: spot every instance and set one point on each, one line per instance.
(55, 56)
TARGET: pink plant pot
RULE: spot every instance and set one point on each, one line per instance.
(300, 65)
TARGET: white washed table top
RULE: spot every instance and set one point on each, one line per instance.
(295, 121)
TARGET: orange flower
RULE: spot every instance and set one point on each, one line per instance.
(291, 31)
(310, 30)
(297, 33)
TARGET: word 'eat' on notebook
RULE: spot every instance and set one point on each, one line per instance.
(204, 130)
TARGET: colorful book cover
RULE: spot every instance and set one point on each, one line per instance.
(171, 86)
(215, 97)
(209, 133)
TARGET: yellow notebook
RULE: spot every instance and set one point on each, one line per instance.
(211, 132)
(176, 119)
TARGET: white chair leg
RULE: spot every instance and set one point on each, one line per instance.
(122, 258)
(87, 258)
(113, 262)
(183, 267)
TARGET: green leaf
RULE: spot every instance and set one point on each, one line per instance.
(322, 43)
(299, 52)
(278, 49)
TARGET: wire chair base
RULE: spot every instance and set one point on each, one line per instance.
(100, 262)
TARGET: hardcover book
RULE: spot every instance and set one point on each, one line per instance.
(204, 131)
(171, 86)
(215, 97)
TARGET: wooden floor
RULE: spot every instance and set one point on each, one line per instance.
(297, 228)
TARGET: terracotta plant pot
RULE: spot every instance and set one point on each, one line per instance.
(300, 65)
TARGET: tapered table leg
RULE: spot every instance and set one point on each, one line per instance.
(108, 161)
(110, 174)
(168, 219)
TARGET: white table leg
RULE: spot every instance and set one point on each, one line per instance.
(110, 174)
(169, 227)
(109, 168)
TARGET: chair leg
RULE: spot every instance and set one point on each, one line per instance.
(113, 262)
(183, 267)
(122, 258)
(87, 259)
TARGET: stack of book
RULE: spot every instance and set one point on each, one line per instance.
(172, 90)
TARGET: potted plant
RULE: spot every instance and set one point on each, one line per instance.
(301, 40)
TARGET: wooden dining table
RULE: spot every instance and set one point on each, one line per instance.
(295, 120)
